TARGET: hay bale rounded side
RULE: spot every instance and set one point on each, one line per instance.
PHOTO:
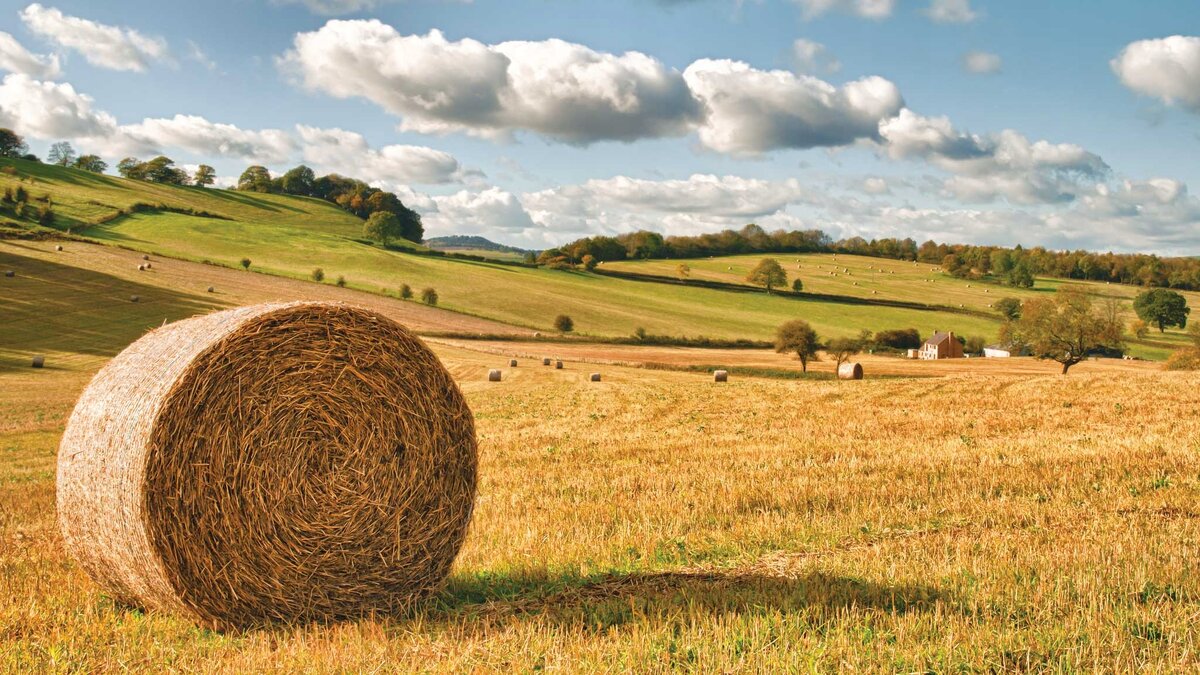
(212, 289)
(58, 247)
(512, 363)
(9, 273)
(145, 257)
(720, 376)
(39, 361)
(134, 298)
(269, 463)
(493, 375)
(558, 365)
(545, 361)
(850, 371)
(594, 377)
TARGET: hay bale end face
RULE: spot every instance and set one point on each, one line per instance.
(39, 361)
(58, 248)
(850, 371)
(512, 363)
(269, 463)
(141, 268)
(594, 377)
(493, 375)
(720, 376)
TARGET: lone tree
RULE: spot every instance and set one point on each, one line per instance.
(1162, 308)
(564, 323)
(382, 227)
(318, 275)
(91, 163)
(841, 349)
(205, 176)
(12, 145)
(1009, 308)
(255, 179)
(429, 296)
(406, 292)
(245, 263)
(1066, 327)
(61, 153)
(797, 336)
(797, 286)
(768, 273)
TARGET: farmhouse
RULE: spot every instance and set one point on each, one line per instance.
(941, 346)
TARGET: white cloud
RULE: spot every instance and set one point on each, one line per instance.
(812, 57)
(986, 167)
(982, 63)
(558, 89)
(16, 59)
(874, 185)
(1167, 69)
(491, 213)
(197, 54)
(867, 9)
(751, 111)
(333, 7)
(951, 11)
(198, 135)
(347, 153)
(50, 110)
(101, 45)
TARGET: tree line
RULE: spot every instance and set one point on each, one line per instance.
(1015, 266)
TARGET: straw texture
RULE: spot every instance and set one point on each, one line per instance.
(288, 462)
(850, 371)
(493, 375)
(720, 376)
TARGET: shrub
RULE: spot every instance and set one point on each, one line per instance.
(245, 263)
(406, 292)
(900, 338)
(1009, 308)
(974, 345)
(589, 262)
(341, 281)
(429, 296)
(563, 323)
(1184, 358)
(318, 275)
(797, 286)
(20, 195)
(639, 333)
(46, 216)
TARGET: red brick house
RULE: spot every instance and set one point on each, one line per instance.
(941, 346)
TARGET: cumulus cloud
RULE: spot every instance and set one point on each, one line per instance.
(347, 152)
(867, 9)
(982, 63)
(1000, 165)
(1167, 69)
(951, 11)
(197, 134)
(16, 59)
(111, 47)
(751, 111)
(812, 57)
(50, 110)
(558, 89)
(487, 211)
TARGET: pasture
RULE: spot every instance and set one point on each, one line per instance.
(658, 521)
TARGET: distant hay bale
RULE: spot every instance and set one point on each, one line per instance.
(145, 257)
(270, 462)
(9, 273)
(149, 265)
(134, 298)
(537, 335)
(720, 376)
(545, 361)
(493, 375)
(512, 363)
(594, 377)
(212, 290)
(850, 371)
(58, 248)
(39, 361)
(558, 365)
(142, 267)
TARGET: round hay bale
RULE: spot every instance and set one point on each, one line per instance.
(558, 365)
(145, 257)
(212, 289)
(720, 376)
(512, 363)
(134, 298)
(594, 377)
(58, 247)
(149, 266)
(142, 267)
(537, 334)
(292, 462)
(39, 361)
(850, 371)
(545, 361)
(493, 375)
(9, 273)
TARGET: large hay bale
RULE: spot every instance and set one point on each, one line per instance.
(9, 273)
(546, 361)
(594, 377)
(212, 289)
(720, 376)
(39, 361)
(493, 375)
(134, 298)
(558, 365)
(512, 363)
(58, 247)
(277, 462)
(850, 371)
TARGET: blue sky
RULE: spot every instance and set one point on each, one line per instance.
(535, 122)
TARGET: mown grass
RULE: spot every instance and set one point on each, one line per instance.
(658, 521)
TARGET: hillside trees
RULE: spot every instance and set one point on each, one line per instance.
(91, 163)
(255, 179)
(158, 170)
(382, 227)
(61, 153)
(12, 145)
(205, 176)
(130, 167)
(1162, 308)
(1066, 327)
(1009, 308)
(798, 336)
(768, 273)
(298, 181)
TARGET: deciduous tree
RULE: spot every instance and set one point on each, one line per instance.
(797, 336)
(768, 273)
(1067, 327)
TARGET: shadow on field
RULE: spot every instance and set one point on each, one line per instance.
(613, 600)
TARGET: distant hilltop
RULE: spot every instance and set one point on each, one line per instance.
(474, 242)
